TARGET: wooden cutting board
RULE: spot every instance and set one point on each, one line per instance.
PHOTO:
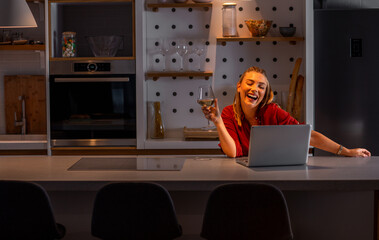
(297, 104)
(198, 134)
(33, 88)
(292, 90)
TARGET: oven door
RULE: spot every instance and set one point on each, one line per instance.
(98, 110)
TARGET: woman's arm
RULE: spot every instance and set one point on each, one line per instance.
(324, 143)
(226, 141)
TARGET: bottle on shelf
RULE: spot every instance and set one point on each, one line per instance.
(157, 130)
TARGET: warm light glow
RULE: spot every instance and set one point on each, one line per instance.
(16, 14)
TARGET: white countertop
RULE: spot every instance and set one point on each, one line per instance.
(198, 173)
(24, 142)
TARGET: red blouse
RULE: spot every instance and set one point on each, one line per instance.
(270, 114)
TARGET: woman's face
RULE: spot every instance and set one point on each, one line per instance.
(252, 89)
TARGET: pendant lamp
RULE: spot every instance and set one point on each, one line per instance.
(16, 14)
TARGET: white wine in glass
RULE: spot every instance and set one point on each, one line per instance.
(207, 98)
(206, 102)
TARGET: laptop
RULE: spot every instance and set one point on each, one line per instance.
(278, 145)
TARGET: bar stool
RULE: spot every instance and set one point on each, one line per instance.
(246, 211)
(26, 212)
(134, 210)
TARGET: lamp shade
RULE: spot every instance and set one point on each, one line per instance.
(16, 14)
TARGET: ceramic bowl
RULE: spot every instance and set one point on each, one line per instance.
(287, 31)
(258, 28)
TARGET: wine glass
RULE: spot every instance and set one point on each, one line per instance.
(181, 49)
(206, 97)
(199, 50)
(163, 49)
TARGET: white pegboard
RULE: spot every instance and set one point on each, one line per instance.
(226, 62)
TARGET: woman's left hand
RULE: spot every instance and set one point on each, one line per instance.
(357, 152)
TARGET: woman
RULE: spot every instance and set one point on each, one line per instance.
(253, 106)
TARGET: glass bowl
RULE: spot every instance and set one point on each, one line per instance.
(258, 28)
(105, 46)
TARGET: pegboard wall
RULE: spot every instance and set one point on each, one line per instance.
(195, 26)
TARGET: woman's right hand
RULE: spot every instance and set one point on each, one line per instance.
(212, 113)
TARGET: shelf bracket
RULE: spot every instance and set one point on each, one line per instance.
(155, 9)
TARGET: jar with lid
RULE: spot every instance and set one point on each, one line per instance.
(229, 22)
(69, 44)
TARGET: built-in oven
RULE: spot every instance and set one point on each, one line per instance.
(93, 103)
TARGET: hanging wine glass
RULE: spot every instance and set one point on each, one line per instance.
(181, 50)
(199, 50)
(163, 49)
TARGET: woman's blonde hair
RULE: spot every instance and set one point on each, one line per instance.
(237, 99)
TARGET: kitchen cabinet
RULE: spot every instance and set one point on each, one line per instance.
(25, 59)
(25, 97)
(92, 18)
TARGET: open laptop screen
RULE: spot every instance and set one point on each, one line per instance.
(276, 145)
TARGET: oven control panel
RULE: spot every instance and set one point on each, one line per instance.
(92, 67)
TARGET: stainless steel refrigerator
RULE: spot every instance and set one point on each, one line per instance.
(347, 77)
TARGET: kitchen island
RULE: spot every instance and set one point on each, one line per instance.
(329, 198)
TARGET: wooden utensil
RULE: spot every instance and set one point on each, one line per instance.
(32, 88)
(291, 94)
(298, 98)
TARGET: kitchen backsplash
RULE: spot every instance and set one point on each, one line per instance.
(226, 62)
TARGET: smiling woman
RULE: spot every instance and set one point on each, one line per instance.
(255, 92)
(253, 106)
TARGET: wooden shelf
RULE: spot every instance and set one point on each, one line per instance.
(85, 1)
(292, 40)
(156, 6)
(156, 75)
(26, 47)
(57, 59)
